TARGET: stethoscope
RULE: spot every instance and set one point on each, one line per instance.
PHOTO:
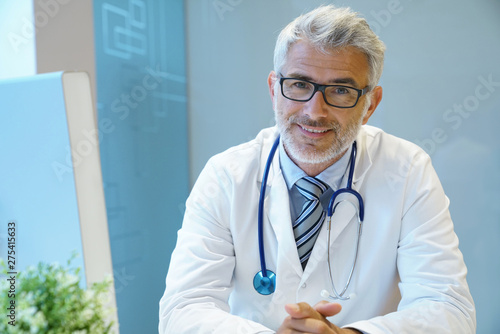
(264, 281)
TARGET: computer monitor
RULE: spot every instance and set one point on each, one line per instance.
(50, 176)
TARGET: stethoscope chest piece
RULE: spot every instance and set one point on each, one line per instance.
(265, 285)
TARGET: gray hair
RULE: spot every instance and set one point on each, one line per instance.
(327, 28)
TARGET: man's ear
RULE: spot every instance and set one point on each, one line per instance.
(375, 98)
(271, 80)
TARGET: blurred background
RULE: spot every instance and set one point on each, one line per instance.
(176, 82)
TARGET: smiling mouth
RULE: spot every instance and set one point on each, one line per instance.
(313, 130)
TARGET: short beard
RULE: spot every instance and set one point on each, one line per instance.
(342, 140)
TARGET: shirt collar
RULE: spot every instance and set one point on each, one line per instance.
(332, 175)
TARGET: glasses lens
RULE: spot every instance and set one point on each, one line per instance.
(297, 89)
(341, 96)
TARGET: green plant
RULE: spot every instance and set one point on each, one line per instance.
(49, 299)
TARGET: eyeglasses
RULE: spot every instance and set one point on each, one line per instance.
(335, 95)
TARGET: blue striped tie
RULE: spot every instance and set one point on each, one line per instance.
(307, 225)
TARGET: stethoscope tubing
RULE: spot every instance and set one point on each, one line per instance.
(331, 210)
(348, 188)
(265, 280)
(260, 217)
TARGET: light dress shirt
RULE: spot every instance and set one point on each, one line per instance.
(332, 176)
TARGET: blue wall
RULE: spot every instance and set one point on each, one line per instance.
(141, 99)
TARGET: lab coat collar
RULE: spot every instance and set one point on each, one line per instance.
(363, 159)
(266, 140)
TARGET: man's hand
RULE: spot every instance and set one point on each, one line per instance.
(307, 319)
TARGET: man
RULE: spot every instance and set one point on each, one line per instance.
(406, 274)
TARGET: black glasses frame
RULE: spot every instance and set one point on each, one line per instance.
(321, 88)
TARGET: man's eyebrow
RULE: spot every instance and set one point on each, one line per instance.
(349, 81)
(346, 80)
(300, 76)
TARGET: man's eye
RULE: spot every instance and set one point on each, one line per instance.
(341, 91)
(300, 85)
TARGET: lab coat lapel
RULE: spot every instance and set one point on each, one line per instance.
(277, 213)
(278, 205)
(363, 160)
(345, 213)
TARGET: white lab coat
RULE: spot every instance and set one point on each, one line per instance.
(409, 278)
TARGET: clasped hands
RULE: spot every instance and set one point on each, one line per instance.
(303, 318)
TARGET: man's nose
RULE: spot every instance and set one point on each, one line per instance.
(316, 107)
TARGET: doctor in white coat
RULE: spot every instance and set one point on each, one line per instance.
(409, 275)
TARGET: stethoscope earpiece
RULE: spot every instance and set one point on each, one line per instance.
(325, 294)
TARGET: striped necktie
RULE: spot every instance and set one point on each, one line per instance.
(307, 225)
